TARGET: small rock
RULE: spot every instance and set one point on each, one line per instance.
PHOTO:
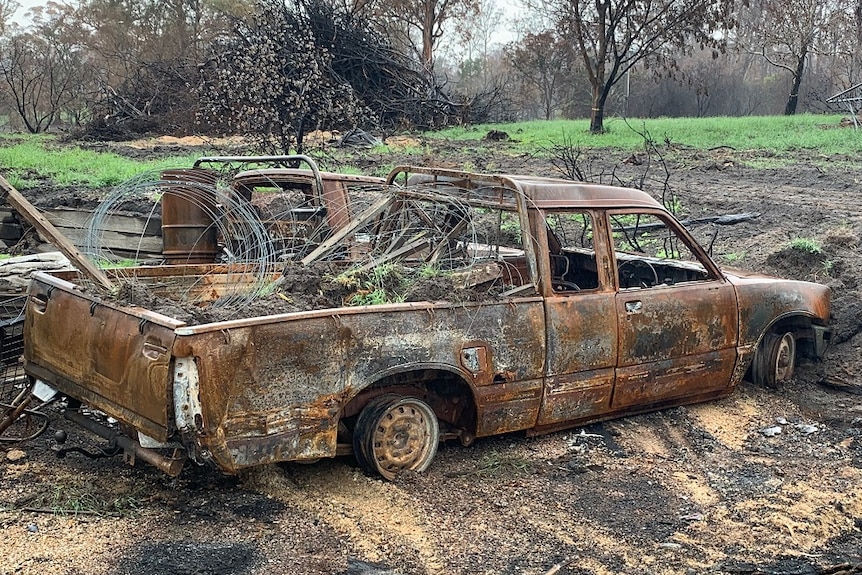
(771, 431)
(806, 428)
(670, 545)
(692, 517)
(497, 136)
(15, 455)
(576, 467)
(781, 421)
(33, 528)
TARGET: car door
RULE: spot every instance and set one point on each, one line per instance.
(676, 313)
(580, 319)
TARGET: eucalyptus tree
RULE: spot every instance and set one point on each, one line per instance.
(43, 68)
(420, 24)
(543, 63)
(7, 10)
(613, 36)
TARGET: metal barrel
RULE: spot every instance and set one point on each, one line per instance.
(189, 233)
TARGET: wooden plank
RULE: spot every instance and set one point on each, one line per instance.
(115, 240)
(372, 211)
(32, 215)
(72, 218)
(419, 242)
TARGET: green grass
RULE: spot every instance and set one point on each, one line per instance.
(774, 133)
(807, 245)
(70, 499)
(26, 162)
(29, 161)
(734, 257)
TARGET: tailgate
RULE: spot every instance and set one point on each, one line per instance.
(113, 358)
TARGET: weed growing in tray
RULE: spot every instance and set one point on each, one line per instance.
(381, 284)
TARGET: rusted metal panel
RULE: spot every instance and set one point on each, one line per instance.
(646, 384)
(543, 193)
(576, 396)
(763, 301)
(508, 407)
(282, 381)
(582, 354)
(675, 341)
(117, 359)
(189, 233)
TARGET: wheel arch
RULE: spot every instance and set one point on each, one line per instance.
(442, 386)
(802, 325)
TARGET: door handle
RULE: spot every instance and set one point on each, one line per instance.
(634, 306)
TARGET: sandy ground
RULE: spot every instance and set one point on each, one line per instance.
(698, 489)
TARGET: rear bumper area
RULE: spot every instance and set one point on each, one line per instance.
(132, 449)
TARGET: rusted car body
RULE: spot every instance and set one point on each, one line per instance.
(584, 328)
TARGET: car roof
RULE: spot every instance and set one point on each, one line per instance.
(540, 192)
(549, 193)
(299, 176)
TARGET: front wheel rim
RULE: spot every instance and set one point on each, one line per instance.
(785, 358)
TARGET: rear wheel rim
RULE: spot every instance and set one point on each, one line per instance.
(395, 434)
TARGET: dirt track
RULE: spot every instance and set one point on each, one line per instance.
(690, 490)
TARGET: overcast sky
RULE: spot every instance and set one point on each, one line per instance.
(511, 8)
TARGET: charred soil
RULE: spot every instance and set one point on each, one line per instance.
(698, 489)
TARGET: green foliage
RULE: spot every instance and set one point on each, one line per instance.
(430, 271)
(807, 245)
(30, 161)
(495, 463)
(734, 257)
(774, 133)
(69, 499)
(385, 283)
(122, 263)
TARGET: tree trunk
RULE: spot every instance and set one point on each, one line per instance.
(793, 99)
(597, 112)
(428, 20)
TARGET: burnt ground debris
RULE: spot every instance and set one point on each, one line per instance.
(697, 489)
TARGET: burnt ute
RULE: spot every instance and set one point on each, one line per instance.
(601, 304)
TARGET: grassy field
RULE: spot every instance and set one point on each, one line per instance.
(26, 161)
(773, 133)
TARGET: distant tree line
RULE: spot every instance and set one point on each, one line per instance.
(277, 69)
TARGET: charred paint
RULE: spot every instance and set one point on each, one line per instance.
(274, 388)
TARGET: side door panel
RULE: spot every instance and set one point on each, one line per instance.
(675, 341)
(581, 356)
